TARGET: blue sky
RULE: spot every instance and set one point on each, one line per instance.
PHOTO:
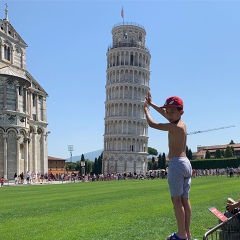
(195, 54)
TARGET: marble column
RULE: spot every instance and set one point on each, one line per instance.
(44, 159)
(26, 155)
(34, 152)
(29, 96)
(115, 167)
(5, 96)
(25, 96)
(37, 107)
(18, 157)
(107, 166)
(5, 136)
(44, 106)
(17, 96)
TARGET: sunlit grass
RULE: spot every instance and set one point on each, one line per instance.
(132, 209)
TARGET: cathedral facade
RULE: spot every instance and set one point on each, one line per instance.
(127, 84)
(23, 117)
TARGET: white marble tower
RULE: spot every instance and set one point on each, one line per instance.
(127, 83)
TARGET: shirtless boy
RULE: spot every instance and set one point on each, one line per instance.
(180, 170)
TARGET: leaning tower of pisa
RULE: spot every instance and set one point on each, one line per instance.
(127, 83)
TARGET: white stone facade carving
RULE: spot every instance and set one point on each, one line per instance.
(127, 83)
(23, 118)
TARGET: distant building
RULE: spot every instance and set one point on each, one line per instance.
(56, 165)
(201, 150)
(127, 84)
(23, 111)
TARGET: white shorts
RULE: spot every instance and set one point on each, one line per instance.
(179, 176)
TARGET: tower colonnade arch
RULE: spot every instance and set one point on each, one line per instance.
(128, 58)
(128, 74)
(126, 91)
(123, 126)
(128, 109)
(130, 144)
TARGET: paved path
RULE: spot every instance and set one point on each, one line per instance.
(12, 183)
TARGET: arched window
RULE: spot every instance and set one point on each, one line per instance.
(131, 59)
(118, 60)
(7, 52)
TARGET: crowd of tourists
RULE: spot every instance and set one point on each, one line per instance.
(229, 172)
(32, 178)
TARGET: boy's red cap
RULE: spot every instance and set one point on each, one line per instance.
(173, 102)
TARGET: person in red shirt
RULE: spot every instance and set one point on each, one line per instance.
(2, 181)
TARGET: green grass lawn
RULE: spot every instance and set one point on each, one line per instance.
(131, 209)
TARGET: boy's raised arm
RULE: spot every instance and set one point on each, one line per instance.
(159, 126)
(156, 107)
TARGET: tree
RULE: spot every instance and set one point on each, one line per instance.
(159, 160)
(233, 151)
(150, 164)
(78, 166)
(88, 166)
(94, 170)
(163, 162)
(218, 153)
(232, 142)
(222, 153)
(207, 155)
(190, 154)
(82, 158)
(97, 165)
(228, 152)
(152, 151)
(155, 166)
(70, 166)
(153, 159)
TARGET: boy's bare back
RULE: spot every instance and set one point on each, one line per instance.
(177, 141)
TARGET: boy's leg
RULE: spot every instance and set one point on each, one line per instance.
(179, 183)
(180, 216)
(188, 213)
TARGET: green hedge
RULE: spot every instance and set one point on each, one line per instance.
(215, 163)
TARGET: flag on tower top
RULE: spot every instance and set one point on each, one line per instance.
(122, 13)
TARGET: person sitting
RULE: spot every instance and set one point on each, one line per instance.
(232, 206)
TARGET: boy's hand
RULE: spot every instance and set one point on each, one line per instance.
(145, 106)
(149, 98)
